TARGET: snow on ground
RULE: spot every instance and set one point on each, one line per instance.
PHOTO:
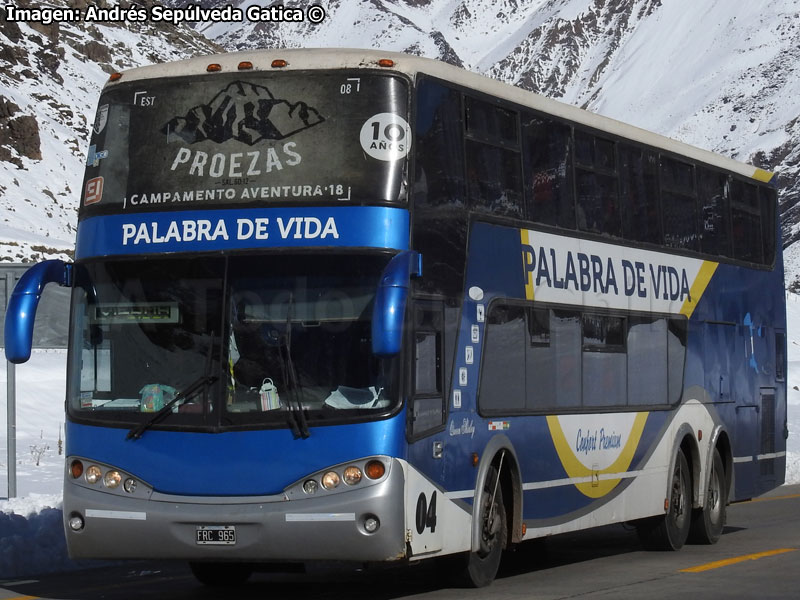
(31, 532)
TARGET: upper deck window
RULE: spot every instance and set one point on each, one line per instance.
(248, 139)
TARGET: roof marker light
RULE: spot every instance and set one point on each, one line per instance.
(245, 65)
(214, 68)
(115, 76)
(279, 63)
(386, 62)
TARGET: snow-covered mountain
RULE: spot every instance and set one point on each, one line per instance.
(50, 80)
(721, 75)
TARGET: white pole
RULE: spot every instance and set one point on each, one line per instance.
(12, 429)
(11, 395)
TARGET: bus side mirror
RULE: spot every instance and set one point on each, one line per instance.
(22, 305)
(390, 302)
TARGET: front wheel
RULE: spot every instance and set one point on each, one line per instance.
(671, 531)
(709, 521)
(482, 566)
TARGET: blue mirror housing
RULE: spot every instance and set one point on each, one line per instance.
(22, 305)
(389, 309)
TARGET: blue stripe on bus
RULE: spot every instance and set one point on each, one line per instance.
(237, 463)
(243, 228)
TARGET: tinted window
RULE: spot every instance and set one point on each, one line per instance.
(426, 364)
(598, 207)
(712, 189)
(746, 222)
(679, 204)
(494, 181)
(490, 123)
(548, 172)
(493, 169)
(596, 185)
(502, 385)
(639, 194)
(768, 207)
(440, 214)
(247, 138)
(562, 359)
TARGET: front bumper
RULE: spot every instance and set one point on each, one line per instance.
(268, 528)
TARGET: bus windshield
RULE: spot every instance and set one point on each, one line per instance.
(266, 336)
(248, 138)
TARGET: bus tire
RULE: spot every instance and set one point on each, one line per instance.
(709, 520)
(670, 532)
(220, 574)
(482, 565)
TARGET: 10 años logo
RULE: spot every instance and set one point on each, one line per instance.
(386, 136)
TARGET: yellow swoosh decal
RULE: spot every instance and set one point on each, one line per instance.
(596, 487)
(699, 286)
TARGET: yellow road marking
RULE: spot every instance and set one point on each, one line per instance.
(732, 561)
(789, 497)
(23, 598)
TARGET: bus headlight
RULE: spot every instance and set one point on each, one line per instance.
(330, 480)
(352, 475)
(112, 479)
(93, 474)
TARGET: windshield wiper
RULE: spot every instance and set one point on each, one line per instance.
(200, 383)
(294, 403)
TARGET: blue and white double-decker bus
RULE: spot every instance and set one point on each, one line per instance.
(355, 305)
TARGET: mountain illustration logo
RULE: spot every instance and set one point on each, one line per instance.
(244, 112)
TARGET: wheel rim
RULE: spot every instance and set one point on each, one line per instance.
(678, 507)
(714, 493)
(490, 526)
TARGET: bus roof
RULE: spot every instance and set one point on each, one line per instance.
(343, 58)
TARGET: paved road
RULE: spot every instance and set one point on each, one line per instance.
(757, 557)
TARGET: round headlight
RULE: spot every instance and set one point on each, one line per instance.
(310, 486)
(352, 475)
(129, 485)
(112, 479)
(330, 480)
(93, 474)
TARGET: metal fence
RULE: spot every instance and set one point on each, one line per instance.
(51, 328)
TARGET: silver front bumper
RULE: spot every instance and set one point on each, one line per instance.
(269, 528)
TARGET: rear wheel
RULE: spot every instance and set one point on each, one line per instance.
(671, 531)
(709, 521)
(220, 574)
(482, 565)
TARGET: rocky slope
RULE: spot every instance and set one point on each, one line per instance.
(50, 79)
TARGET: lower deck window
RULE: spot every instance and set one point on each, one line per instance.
(540, 359)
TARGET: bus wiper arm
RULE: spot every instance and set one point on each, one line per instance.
(199, 383)
(294, 403)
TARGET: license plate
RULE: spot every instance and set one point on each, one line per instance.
(218, 535)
